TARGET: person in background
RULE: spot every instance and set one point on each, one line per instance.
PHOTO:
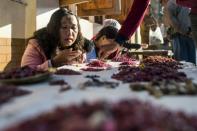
(193, 15)
(127, 29)
(59, 43)
(177, 18)
(109, 31)
(104, 37)
(149, 22)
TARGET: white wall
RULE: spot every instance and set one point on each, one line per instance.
(12, 19)
(89, 29)
(17, 20)
(43, 19)
(45, 9)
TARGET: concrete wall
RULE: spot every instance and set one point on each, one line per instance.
(12, 19)
(17, 22)
(44, 10)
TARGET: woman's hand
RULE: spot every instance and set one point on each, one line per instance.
(66, 56)
(106, 50)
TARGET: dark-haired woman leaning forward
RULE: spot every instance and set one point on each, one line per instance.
(59, 43)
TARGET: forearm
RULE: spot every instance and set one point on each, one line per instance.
(34, 63)
(133, 20)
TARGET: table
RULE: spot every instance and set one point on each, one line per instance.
(151, 52)
(45, 97)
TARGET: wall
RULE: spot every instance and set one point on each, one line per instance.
(16, 24)
(89, 29)
(44, 10)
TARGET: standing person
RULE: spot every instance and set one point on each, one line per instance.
(193, 15)
(129, 26)
(177, 17)
(59, 43)
(149, 22)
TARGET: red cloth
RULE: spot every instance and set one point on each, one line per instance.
(134, 18)
(112, 55)
(189, 3)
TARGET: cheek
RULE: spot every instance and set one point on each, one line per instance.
(105, 42)
(76, 34)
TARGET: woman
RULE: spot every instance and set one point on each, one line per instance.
(59, 43)
(104, 37)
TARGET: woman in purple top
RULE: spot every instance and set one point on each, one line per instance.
(129, 26)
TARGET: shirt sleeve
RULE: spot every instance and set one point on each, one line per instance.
(34, 57)
(91, 55)
(133, 20)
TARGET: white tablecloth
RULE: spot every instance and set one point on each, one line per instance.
(45, 97)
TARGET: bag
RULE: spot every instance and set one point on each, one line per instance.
(155, 37)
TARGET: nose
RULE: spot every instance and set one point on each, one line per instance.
(69, 32)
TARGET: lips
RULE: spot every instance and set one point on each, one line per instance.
(68, 39)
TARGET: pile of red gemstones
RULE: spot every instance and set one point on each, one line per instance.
(98, 63)
(67, 72)
(127, 115)
(21, 72)
(7, 92)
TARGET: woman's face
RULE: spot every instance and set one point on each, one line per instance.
(68, 30)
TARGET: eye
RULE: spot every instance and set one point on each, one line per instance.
(74, 27)
(64, 27)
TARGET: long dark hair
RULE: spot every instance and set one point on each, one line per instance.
(109, 31)
(49, 37)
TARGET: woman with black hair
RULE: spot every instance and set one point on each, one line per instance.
(104, 37)
(59, 43)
